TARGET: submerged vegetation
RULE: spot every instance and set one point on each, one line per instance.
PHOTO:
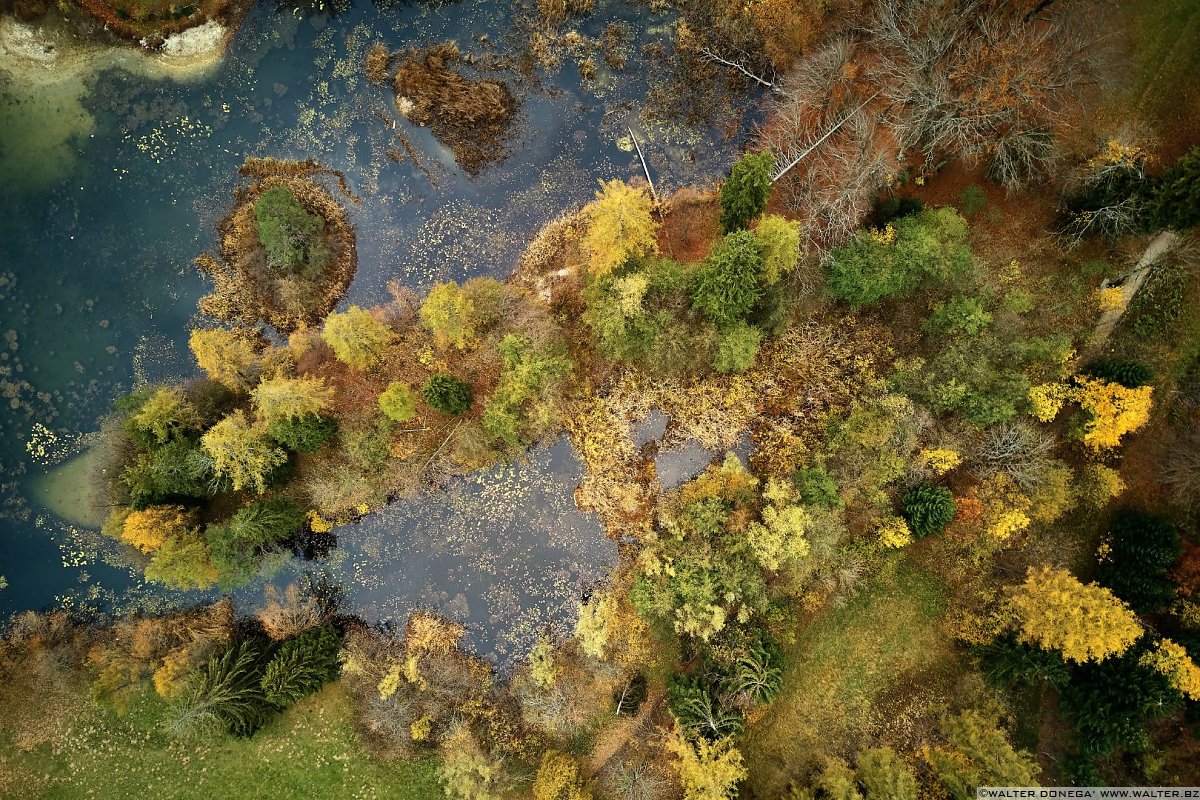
(944, 535)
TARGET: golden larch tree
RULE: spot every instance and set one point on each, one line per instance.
(1085, 622)
(619, 225)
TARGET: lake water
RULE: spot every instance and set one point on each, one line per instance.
(110, 190)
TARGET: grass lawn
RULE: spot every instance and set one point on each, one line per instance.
(1166, 38)
(309, 751)
(856, 671)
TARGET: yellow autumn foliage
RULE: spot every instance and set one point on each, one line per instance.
(1114, 411)
(939, 460)
(1085, 622)
(893, 532)
(707, 770)
(1172, 661)
(619, 225)
(149, 528)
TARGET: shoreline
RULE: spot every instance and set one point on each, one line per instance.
(49, 53)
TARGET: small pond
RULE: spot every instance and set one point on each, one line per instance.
(111, 183)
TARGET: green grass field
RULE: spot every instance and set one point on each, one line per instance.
(849, 670)
(1167, 50)
(309, 751)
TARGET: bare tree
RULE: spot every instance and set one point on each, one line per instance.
(1018, 449)
(979, 79)
(1181, 473)
(831, 149)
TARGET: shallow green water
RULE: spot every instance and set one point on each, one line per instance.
(97, 289)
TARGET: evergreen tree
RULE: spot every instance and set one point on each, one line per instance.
(447, 394)
(290, 234)
(928, 509)
(301, 666)
(744, 193)
(303, 434)
(224, 695)
(726, 284)
(1176, 201)
(1142, 548)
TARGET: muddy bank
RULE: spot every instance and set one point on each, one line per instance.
(47, 71)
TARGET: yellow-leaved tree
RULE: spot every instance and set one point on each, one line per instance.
(242, 452)
(596, 620)
(1113, 410)
(559, 778)
(619, 225)
(165, 413)
(449, 313)
(229, 356)
(150, 528)
(1172, 660)
(779, 540)
(707, 770)
(1085, 622)
(357, 338)
(288, 398)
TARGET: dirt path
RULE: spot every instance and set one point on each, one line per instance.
(613, 739)
(1159, 246)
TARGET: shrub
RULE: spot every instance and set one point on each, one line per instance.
(447, 394)
(301, 666)
(304, 434)
(398, 402)
(726, 284)
(1142, 548)
(927, 509)
(290, 235)
(972, 200)
(958, 316)
(817, 487)
(744, 193)
(1176, 201)
(737, 348)
(874, 265)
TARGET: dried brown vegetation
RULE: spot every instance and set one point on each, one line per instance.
(245, 289)
(469, 115)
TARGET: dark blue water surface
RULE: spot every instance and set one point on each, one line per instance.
(97, 289)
